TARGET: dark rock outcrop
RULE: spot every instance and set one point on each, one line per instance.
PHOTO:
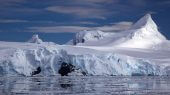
(66, 68)
(38, 70)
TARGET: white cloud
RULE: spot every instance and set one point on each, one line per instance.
(120, 26)
(73, 29)
(12, 21)
(94, 2)
(137, 3)
(58, 29)
(84, 8)
(79, 11)
(87, 23)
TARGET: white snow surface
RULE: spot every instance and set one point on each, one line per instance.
(143, 34)
(140, 50)
(87, 36)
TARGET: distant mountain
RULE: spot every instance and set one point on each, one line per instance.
(35, 39)
(143, 34)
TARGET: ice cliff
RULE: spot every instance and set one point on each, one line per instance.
(24, 62)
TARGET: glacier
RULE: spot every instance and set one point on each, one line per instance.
(25, 61)
(140, 50)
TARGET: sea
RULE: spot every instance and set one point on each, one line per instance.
(85, 85)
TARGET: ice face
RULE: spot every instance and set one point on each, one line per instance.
(49, 60)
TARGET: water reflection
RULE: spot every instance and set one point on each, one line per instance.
(100, 85)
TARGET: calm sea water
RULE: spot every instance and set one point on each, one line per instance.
(85, 85)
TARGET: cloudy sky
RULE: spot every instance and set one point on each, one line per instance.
(58, 20)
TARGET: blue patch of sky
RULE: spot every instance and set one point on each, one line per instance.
(59, 38)
(34, 12)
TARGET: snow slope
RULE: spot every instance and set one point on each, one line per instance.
(136, 51)
(143, 34)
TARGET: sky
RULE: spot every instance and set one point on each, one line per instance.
(59, 20)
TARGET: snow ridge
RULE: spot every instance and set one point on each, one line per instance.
(143, 34)
(144, 22)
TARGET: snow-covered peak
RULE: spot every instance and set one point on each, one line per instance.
(35, 39)
(85, 36)
(145, 21)
(147, 28)
(144, 34)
